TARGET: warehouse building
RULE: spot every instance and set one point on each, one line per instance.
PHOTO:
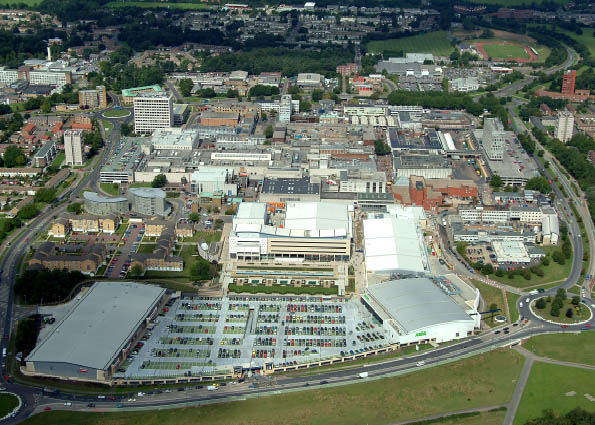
(394, 244)
(95, 337)
(425, 309)
(103, 205)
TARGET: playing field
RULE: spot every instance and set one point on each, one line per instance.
(551, 387)
(506, 51)
(153, 4)
(485, 380)
(432, 42)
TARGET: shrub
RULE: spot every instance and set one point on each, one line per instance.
(540, 304)
(569, 313)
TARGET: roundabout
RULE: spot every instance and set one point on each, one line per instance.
(116, 113)
(580, 313)
(10, 404)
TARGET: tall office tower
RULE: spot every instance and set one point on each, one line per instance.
(73, 147)
(568, 81)
(151, 111)
(493, 138)
(565, 126)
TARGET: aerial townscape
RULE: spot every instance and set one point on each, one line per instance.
(358, 212)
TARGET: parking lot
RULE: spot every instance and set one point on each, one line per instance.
(118, 267)
(197, 336)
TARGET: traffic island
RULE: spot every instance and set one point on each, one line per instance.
(568, 313)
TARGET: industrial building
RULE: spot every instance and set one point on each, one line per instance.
(425, 309)
(213, 179)
(426, 166)
(315, 231)
(103, 205)
(174, 139)
(394, 244)
(148, 201)
(98, 333)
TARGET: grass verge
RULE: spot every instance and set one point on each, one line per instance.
(110, 188)
(577, 348)
(478, 381)
(491, 296)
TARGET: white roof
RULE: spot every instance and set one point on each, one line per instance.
(213, 174)
(251, 210)
(318, 216)
(96, 329)
(393, 244)
(417, 304)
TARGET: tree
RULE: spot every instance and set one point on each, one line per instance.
(194, 217)
(28, 211)
(558, 257)
(576, 300)
(13, 157)
(126, 129)
(186, 85)
(381, 148)
(487, 269)
(561, 293)
(218, 224)
(540, 304)
(46, 106)
(159, 181)
(555, 311)
(540, 184)
(45, 195)
(268, 132)
(317, 95)
(201, 270)
(569, 313)
(305, 106)
(496, 181)
(75, 208)
(136, 270)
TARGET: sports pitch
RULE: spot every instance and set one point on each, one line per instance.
(432, 42)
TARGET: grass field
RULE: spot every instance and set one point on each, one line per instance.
(110, 189)
(29, 3)
(432, 42)
(505, 51)
(146, 248)
(116, 113)
(154, 4)
(59, 159)
(587, 37)
(7, 403)
(491, 296)
(546, 389)
(479, 381)
(552, 273)
(577, 348)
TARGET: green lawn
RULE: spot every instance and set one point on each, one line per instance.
(140, 184)
(580, 315)
(189, 255)
(146, 248)
(207, 236)
(479, 381)
(116, 113)
(432, 42)
(491, 295)
(59, 159)
(552, 273)
(152, 4)
(512, 302)
(547, 387)
(28, 3)
(7, 403)
(110, 189)
(577, 348)
(505, 51)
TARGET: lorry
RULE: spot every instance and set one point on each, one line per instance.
(212, 387)
(363, 375)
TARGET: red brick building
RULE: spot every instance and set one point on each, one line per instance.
(568, 82)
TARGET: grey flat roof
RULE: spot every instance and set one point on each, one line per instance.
(98, 327)
(417, 303)
(94, 197)
(147, 192)
(288, 186)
